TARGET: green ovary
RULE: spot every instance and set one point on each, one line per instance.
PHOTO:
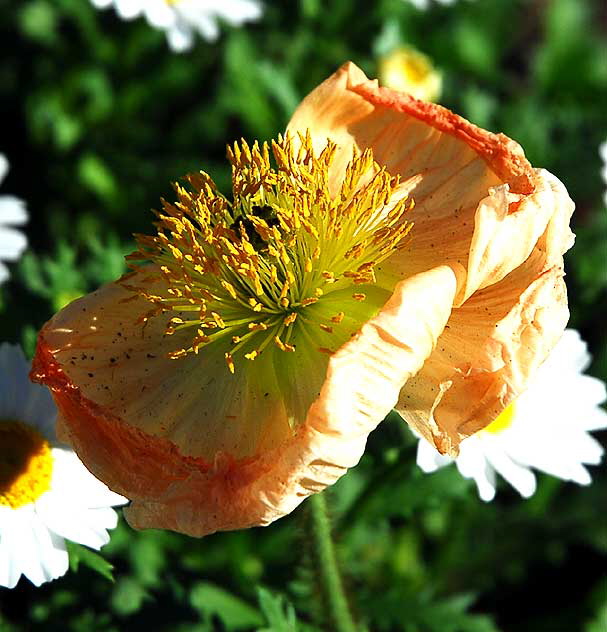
(296, 377)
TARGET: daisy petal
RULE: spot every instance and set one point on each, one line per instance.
(472, 463)
(128, 9)
(429, 458)
(180, 38)
(520, 477)
(84, 526)
(86, 491)
(12, 211)
(3, 167)
(20, 399)
(30, 549)
(12, 243)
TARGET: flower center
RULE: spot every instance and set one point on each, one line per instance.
(290, 259)
(502, 421)
(26, 464)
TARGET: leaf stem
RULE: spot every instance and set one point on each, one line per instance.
(326, 559)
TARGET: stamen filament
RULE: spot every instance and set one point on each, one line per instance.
(253, 267)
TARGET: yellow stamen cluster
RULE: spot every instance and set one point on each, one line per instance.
(26, 464)
(249, 268)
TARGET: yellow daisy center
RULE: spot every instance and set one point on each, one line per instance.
(502, 421)
(289, 259)
(26, 464)
(408, 70)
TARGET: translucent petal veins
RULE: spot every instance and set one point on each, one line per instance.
(267, 267)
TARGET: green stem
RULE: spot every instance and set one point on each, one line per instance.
(328, 570)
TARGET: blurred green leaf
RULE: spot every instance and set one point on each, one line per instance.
(128, 596)
(210, 600)
(280, 615)
(39, 21)
(94, 174)
(80, 555)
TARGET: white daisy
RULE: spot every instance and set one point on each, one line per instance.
(46, 494)
(181, 19)
(546, 428)
(422, 5)
(12, 213)
(603, 154)
(407, 70)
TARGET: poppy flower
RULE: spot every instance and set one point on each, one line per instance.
(384, 252)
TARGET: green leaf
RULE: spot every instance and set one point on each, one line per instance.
(279, 613)
(599, 623)
(39, 22)
(235, 613)
(95, 175)
(128, 596)
(81, 555)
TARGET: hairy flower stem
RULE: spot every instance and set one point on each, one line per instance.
(328, 571)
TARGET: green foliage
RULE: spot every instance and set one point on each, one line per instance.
(210, 600)
(100, 117)
(81, 555)
(280, 615)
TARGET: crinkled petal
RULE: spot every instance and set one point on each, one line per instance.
(492, 344)
(478, 201)
(195, 495)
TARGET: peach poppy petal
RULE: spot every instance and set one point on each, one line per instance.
(361, 386)
(490, 347)
(472, 189)
(122, 365)
(546, 211)
(198, 496)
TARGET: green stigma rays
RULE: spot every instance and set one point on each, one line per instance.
(289, 259)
